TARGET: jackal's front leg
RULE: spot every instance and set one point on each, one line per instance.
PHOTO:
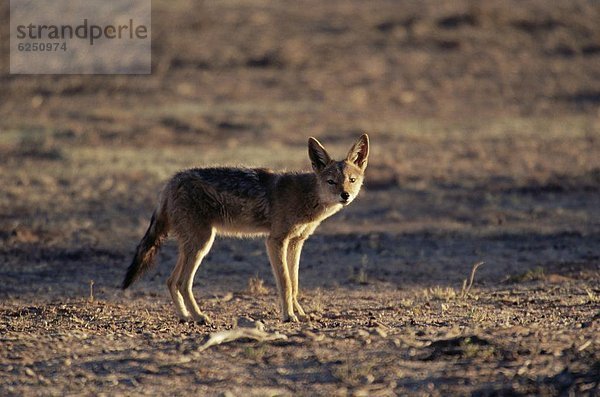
(293, 263)
(277, 250)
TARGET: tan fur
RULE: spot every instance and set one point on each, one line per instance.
(200, 203)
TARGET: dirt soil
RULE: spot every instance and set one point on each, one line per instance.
(484, 119)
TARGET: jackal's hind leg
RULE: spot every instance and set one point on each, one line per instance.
(195, 251)
(180, 309)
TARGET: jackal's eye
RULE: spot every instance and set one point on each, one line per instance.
(331, 181)
(352, 180)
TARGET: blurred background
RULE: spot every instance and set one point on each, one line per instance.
(484, 119)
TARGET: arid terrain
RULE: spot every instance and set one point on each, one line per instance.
(484, 120)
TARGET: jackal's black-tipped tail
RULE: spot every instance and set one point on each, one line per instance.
(147, 248)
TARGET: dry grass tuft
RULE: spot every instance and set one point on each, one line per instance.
(592, 296)
(359, 276)
(535, 274)
(256, 286)
(440, 293)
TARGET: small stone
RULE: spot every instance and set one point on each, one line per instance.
(363, 334)
(381, 332)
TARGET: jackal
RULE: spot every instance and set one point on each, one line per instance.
(287, 207)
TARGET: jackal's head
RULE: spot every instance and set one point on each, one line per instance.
(339, 181)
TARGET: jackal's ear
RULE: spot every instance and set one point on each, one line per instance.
(359, 153)
(318, 155)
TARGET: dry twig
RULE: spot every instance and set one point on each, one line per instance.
(467, 286)
(91, 298)
(257, 333)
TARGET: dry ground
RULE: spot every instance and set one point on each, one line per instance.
(485, 124)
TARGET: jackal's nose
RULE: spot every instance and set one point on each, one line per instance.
(345, 196)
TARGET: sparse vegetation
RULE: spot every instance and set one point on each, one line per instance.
(256, 286)
(359, 275)
(591, 295)
(440, 293)
(535, 274)
(317, 301)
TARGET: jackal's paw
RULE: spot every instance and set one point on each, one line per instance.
(303, 317)
(185, 319)
(290, 318)
(299, 310)
(202, 319)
